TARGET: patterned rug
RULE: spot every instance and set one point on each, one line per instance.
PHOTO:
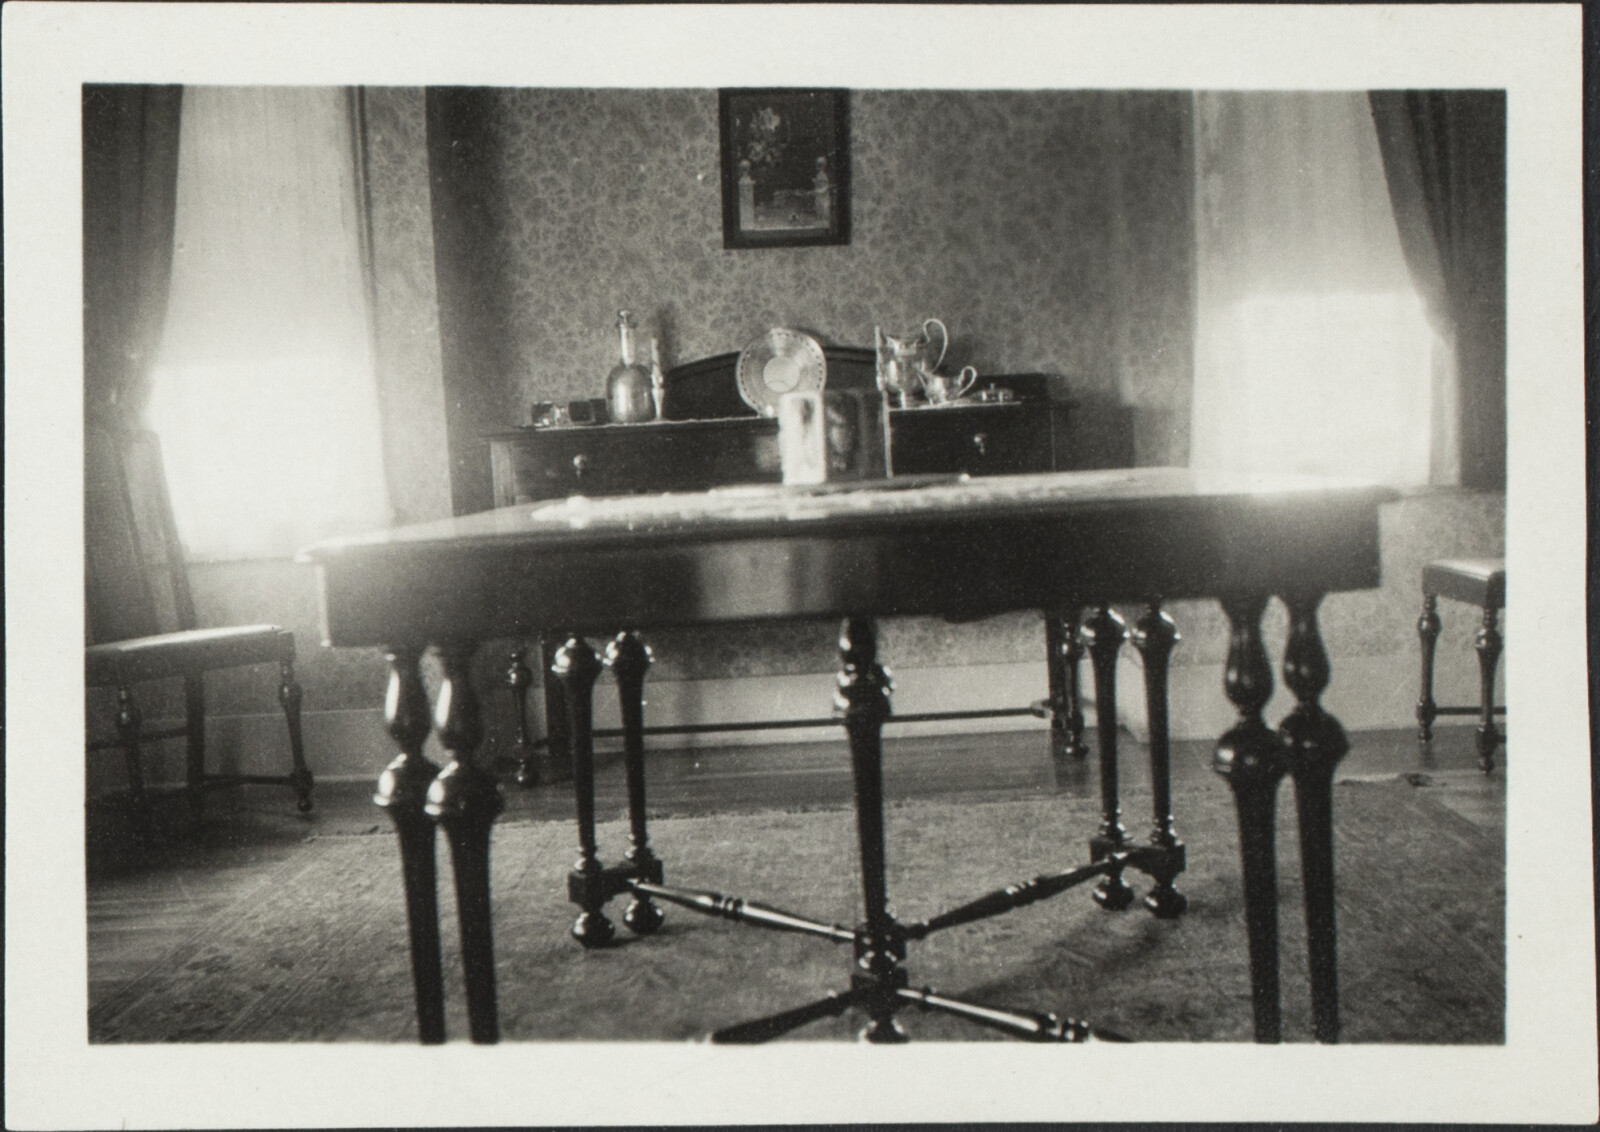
(315, 949)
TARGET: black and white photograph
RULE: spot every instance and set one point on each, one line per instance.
(617, 580)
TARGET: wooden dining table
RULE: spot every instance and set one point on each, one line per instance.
(582, 570)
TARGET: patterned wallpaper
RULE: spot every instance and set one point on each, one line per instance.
(1048, 229)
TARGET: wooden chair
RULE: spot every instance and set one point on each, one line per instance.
(141, 621)
(1480, 582)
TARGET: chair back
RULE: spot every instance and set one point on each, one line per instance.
(134, 579)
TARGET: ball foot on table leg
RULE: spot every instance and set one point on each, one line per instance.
(884, 1031)
(592, 929)
(1113, 894)
(642, 916)
(1166, 902)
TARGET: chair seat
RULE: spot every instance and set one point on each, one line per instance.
(1478, 581)
(192, 650)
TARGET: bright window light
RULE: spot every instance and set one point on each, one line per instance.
(1314, 352)
(1332, 384)
(268, 455)
(264, 392)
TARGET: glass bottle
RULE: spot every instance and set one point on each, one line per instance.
(628, 390)
(658, 380)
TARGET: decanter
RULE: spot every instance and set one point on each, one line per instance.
(629, 396)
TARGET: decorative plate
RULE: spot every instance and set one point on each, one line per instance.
(780, 361)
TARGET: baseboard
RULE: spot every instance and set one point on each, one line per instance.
(1367, 693)
(352, 744)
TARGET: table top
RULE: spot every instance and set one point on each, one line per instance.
(952, 545)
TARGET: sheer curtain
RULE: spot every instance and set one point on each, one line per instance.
(264, 391)
(1313, 350)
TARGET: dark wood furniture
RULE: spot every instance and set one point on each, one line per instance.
(141, 621)
(711, 438)
(1065, 540)
(1480, 582)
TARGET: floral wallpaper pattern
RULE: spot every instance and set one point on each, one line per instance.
(1050, 230)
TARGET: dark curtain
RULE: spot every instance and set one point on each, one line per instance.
(130, 175)
(1444, 154)
(465, 156)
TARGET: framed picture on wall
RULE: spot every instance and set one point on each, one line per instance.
(785, 167)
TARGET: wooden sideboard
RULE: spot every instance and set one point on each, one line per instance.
(711, 438)
(531, 464)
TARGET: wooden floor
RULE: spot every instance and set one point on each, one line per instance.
(143, 902)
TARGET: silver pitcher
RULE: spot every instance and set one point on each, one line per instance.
(903, 360)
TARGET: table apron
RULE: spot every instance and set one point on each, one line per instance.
(425, 594)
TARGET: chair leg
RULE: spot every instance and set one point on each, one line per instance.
(1488, 644)
(128, 724)
(194, 718)
(1428, 635)
(289, 696)
(518, 678)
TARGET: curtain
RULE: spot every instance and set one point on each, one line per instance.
(130, 166)
(265, 392)
(1313, 351)
(1444, 157)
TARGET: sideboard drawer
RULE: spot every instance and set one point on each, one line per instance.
(553, 463)
(980, 440)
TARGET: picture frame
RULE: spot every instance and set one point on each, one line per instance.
(785, 167)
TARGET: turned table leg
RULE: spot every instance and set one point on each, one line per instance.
(577, 667)
(402, 791)
(629, 660)
(1250, 758)
(465, 800)
(862, 702)
(1314, 743)
(1103, 632)
(1154, 635)
(1064, 652)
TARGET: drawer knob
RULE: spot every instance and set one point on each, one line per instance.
(980, 441)
(580, 465)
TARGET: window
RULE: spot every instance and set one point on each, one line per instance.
(264, 390)
(1314, 352)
